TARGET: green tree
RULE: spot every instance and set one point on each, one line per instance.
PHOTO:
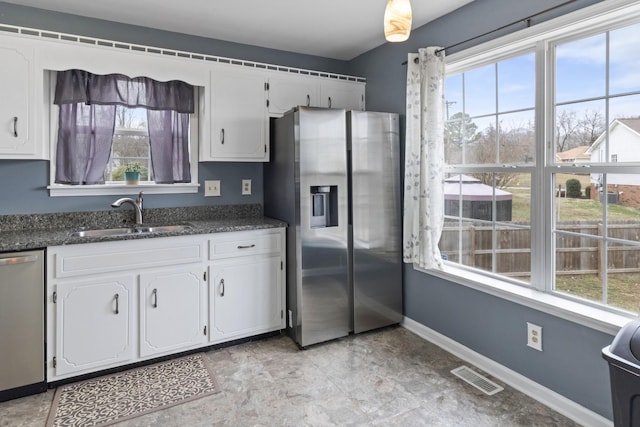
(459, 130)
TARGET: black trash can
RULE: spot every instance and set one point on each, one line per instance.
(623, 356)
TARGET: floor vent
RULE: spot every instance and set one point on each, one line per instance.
(478, 381)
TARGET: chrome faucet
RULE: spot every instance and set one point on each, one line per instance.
(137, 205)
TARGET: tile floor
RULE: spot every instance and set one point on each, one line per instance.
(389, 377)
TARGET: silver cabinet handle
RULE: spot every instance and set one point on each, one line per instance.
(246, 246)
(117, 304)
(222, 136)
(18, 260)
(221, 287)
(15, 127)
(154, 293)
(308, 100)
(329, 102)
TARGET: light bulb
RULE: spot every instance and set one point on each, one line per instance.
(397, 20)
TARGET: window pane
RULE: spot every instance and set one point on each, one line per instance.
(577, 266)
(453, 95)
(624, 52)
(516, 83)
(127, 149)
(513, 257)
(625, 107)
(517, 137)
(483, 149)
(623, 205)
(480, 91)
(468, 243)
(581, 69)
(461, 132)
(131, 118)
(577, 127)
(623, 289)
(577, 209)
(480, 227)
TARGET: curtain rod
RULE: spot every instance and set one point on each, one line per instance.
(527, 20)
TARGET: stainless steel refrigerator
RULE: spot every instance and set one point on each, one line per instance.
(334, 178)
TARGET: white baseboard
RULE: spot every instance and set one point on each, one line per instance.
(547, 397)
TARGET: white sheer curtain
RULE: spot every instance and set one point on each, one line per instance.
(424, 159)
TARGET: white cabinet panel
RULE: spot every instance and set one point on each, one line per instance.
(17, 83)
(246, 294)
(172, 316)
(288, 91)
(94, 323)
(347, 95)
(238, 114)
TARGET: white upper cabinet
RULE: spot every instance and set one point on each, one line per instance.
(17, 107)
(288, 91)
(341, 94)
(238, 114)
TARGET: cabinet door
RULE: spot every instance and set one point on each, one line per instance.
(171, 310)
(286, 92)
(94, 323)
(349, 96)
(16, 78)
(238, 117)
(246, 294)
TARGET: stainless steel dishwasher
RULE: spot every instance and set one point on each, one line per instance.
(22, 343)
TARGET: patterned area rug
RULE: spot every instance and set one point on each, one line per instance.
(114, 398)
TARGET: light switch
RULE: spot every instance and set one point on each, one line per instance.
(211, 188)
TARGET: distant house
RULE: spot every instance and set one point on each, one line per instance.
(624, 146)
(574, 155)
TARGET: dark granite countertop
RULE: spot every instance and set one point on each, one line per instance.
(23, 232)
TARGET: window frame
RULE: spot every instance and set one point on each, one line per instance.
(112, 187)
(594, 19)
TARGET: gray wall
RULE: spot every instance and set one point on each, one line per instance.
(23, 188)
(571, 363)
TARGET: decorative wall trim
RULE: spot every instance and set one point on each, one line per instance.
(53, 35)
(548, 397)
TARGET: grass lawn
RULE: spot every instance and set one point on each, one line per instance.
(624, 289)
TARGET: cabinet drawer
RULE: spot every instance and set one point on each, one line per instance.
(244, 243)
(94, 258)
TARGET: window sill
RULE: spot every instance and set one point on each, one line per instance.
(60, 190)
(582, 314)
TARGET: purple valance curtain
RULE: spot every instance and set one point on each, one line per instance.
(74, 86)
(87, 121)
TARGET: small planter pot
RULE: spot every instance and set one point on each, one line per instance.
(132, 178)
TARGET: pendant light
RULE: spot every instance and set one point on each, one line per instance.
(397, 20)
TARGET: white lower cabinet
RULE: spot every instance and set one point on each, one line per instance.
(246, 297)
(247, 287)
(94, 323)
(172, 310)
(115, 303)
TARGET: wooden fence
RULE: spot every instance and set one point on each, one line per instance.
(473, 246)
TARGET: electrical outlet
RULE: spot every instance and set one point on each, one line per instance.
(534, 336)
(246, 187)
(212, 188)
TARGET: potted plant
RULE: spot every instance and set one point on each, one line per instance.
(132, 173)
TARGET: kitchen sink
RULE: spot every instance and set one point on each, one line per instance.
(140, 229)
